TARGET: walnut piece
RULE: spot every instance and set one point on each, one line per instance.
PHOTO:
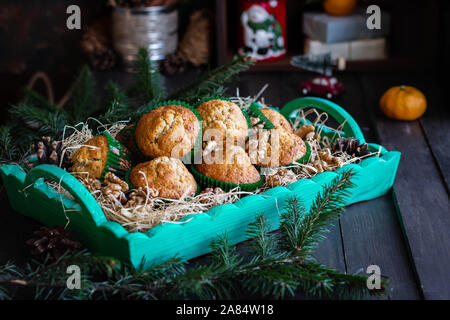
(303, 131)
(281, 177)
(114, 187)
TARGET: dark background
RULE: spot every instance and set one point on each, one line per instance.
(34, 37)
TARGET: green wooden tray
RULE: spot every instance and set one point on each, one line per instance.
(30, 195)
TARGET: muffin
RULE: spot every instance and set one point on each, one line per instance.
(227, 168)
(272, 148)
(167, 176)
(169, 130)
(277, 119)
(226, 118)
(100, 155)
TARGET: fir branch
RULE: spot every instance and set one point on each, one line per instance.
(263, 242)
(148, 80)
(44, 122)
(302, 232)
(31, 97)
(8, 151)
(341, 285)
(117, 105)
(212, 83)
(224, 253)
(82, 99)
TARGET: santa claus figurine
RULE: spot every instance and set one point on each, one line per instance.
(263, 29)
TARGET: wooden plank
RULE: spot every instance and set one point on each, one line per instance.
(372, 236)
(422, 199)
(370, 231)
(436, 125)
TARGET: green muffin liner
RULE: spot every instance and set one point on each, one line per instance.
(131, 187)
(305, 158)
(225, 186)
(127, 179)
(119, 159)
(254, 111)
(198, 140)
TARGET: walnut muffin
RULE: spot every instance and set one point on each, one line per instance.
(91, 157)
(226, 118)
(169, 131)
(100, 155)
(277, 119)
(167, 176)
(230, 164)
(272, 148)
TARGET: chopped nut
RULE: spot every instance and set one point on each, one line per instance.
(114, 187)
(303, 131)
(281, 177)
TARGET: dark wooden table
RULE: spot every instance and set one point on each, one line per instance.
(406, 232)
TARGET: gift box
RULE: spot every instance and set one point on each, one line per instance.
(330, 29)
(366, 49)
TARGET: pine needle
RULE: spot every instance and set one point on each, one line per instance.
(212, 83)
(303, 231)
(148, 80)
(82, 99)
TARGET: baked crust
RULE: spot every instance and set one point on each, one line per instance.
(168, 176)
(233, 167)
(277, 119)
(225, 117)
(91, 157)
(166, 130)
(276, 147)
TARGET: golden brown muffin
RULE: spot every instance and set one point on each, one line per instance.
(233, 166)
(168, 131)
(277, 119)
(91, 157)
(226, 118)
(168, 176)
(276, 147)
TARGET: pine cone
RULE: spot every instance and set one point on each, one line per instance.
(97, 45)
(49, 151)
(195, 46)
(352, 147)
(53, 241)
(172, 64)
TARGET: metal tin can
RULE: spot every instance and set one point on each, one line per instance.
(154, 28)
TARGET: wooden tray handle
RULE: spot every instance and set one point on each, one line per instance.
(81, 195)
(351, 128)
